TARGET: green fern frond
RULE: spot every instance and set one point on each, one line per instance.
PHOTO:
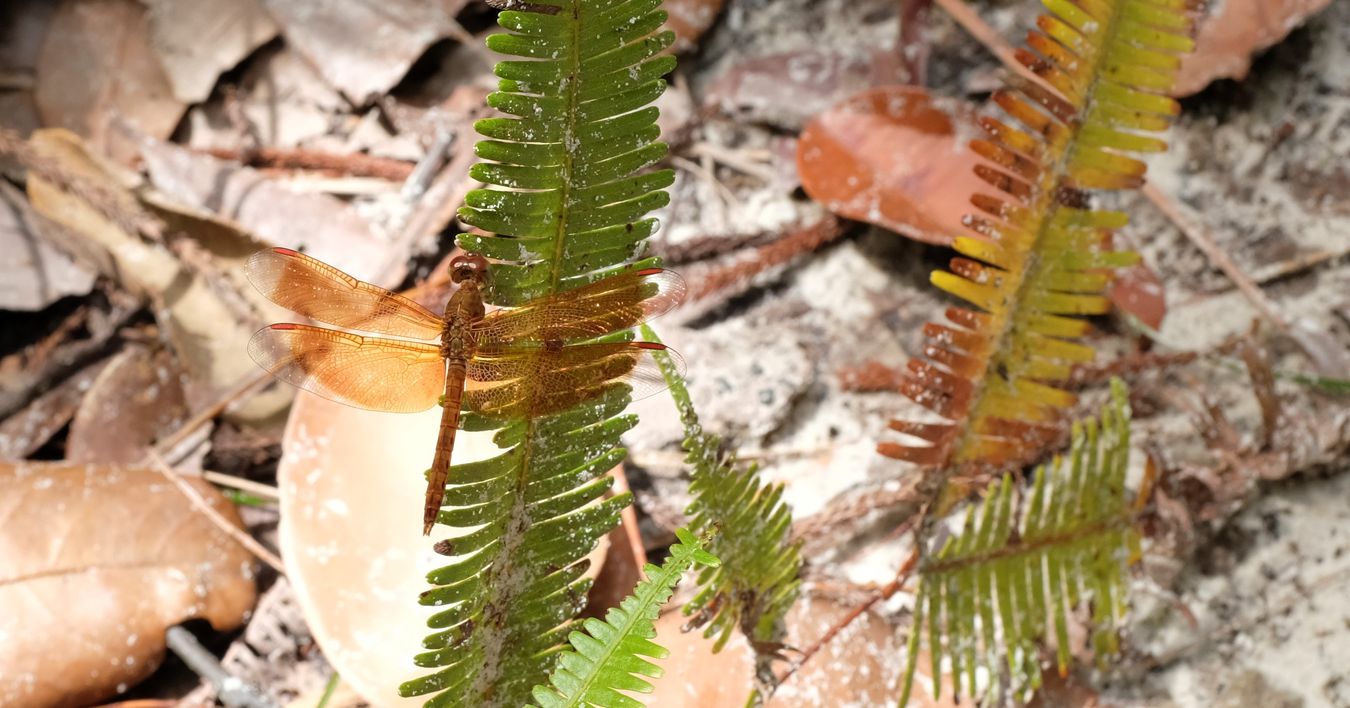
(566, 206)
(759, 577)
(1038, 266)
(608, 657)
(1010, 579)
(570, 192)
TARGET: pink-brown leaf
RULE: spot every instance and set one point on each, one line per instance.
(1233, 33)
(895, 157)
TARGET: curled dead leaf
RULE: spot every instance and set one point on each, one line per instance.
(895, 157)
(340, 38)
(23, 25)
(22, 433)
(134, 401)
(207, 333)
(788, 89)
(97, 68)
(33, 272)
(96, 562)
(196, 41)
(268, 210)
(1235, 31)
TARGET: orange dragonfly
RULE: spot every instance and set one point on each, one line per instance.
(531, 360)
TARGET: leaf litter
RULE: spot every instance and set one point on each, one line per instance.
(856, 300)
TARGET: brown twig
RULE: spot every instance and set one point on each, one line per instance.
(986, 35)
(1088, 374)
(1204, 240)
(871, 376)
(883, 593)
(803, 240)
(353, 165)
(707, 246)
(220, 479)
(200, 504)
(245, 387)
(912, 44)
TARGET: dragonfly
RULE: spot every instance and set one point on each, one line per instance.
(543, 357)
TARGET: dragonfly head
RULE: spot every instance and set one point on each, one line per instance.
(470, 266)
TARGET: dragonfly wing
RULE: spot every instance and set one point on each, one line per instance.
(614, 304)
(324, 293)
(511, 381)
(366, 372)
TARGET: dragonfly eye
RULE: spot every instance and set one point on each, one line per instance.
(468, 267)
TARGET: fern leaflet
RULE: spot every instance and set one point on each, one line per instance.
(566, 203)
(1040, 263)
(607, 657)
(993, 591)
(759, 576)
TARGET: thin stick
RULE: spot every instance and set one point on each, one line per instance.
(986, 35)
(227, 399)
(231, 691)
(739, 160)
(883, 593)
(1204, 240)
(199, 502)
(352, 164)
(265, 491)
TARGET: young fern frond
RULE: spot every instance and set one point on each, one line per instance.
(608, 656)
(567, 203)
(759, 576)
(989, 596)
(991, 370)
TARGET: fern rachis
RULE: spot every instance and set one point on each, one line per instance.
(568, 191)
(989, 595)
(758, 577)
(1037, 266)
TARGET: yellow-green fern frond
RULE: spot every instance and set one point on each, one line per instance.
(1043, 257)
(608, 657)
(759, 576)
(989, 596)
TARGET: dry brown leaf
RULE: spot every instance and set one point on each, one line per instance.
(895, 157)
(22, 27)
(206, 334)
(788, 89)
(861, 666)
(29, 429)
(689, 19)
(1138, 291)
(324, 226)
(280, 101)
(196, 41)
(135, 401)
(33, 272)
(362, 47)
(351, 484)
(96, 562)
(96, 69)
(1234, 31)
